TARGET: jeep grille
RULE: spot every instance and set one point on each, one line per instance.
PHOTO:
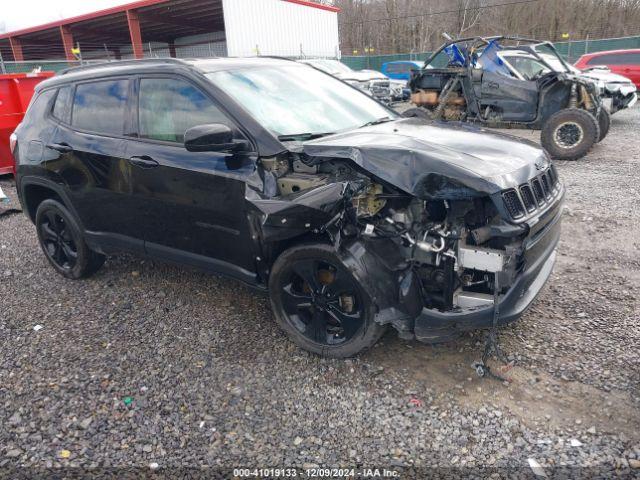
(531, 196)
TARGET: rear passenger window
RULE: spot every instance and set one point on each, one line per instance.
(169, 107)
(100, 106)
(630, 58)
(62, 107)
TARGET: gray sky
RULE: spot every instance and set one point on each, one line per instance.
(29, 13)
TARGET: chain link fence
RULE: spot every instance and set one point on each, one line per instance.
(571, 51)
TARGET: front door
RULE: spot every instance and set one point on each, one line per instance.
(515, 99)
(191, 204)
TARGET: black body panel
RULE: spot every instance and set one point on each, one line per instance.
(221, 211)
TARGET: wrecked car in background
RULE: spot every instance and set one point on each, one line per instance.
(477, 86)
(283, 177)
(618, 92)
(378, 85)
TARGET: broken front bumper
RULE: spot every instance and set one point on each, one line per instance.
(433, 325)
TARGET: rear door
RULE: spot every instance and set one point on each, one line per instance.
(191, 203)
(89, 144)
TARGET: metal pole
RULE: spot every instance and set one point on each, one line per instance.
(150, 51)
(586, 44)
(2, 67)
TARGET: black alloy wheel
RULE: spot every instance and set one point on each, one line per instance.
(62, 241)
(320, 304)
(57, 240)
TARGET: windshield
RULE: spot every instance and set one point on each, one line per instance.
(333, 67)
(549, 56)
(297, 100)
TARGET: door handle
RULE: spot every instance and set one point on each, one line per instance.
(143, 161)
(60, 147)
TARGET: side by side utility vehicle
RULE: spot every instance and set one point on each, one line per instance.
(477, 85)
(279, 175)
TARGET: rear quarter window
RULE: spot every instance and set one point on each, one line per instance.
(630, 58)
(40, 104)
(100, 106)
(62, 105)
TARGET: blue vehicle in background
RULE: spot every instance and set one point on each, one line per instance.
(400, 69)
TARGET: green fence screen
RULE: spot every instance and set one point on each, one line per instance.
(570, 50)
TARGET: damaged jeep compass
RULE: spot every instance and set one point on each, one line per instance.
(279, 175)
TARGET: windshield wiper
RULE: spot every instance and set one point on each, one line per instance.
(377, 122)
(302, 136)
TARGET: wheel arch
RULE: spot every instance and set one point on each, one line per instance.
(34, 190)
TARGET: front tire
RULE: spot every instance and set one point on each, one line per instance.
(569, 134)
(320, 304)
(62, 242)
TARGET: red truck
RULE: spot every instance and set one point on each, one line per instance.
(16, 90)
(622, 62)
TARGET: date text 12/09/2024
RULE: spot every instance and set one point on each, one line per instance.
(315, 473)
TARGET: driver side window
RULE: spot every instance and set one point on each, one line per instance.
(529, 68)
(168, 107)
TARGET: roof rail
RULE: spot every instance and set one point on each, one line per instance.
(121, 62)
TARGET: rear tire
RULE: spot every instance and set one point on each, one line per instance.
(569, 134)
(62, 242)
(320, 304)
(604, 122)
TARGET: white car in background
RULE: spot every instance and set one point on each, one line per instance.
(377, 84)
(618, 92)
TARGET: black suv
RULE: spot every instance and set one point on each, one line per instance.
(279, 175)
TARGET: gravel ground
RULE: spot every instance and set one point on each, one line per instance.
(149, 366)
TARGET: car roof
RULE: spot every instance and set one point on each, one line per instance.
(158, 65)
(607, 52)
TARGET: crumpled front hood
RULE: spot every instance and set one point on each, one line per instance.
(606, 76)
(407, 152)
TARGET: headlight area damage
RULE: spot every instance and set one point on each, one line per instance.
(427, 247)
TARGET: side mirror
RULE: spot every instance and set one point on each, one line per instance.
(213, 137)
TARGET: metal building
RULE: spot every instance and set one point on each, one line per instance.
(182, 28)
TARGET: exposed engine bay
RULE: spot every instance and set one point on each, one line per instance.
(428, 239)
(450, 250)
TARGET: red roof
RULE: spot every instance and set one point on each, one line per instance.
(130, 6)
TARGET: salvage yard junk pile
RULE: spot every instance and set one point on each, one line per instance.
(514, 82)
(352, 217)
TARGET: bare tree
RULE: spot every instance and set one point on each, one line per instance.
(394, 26)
